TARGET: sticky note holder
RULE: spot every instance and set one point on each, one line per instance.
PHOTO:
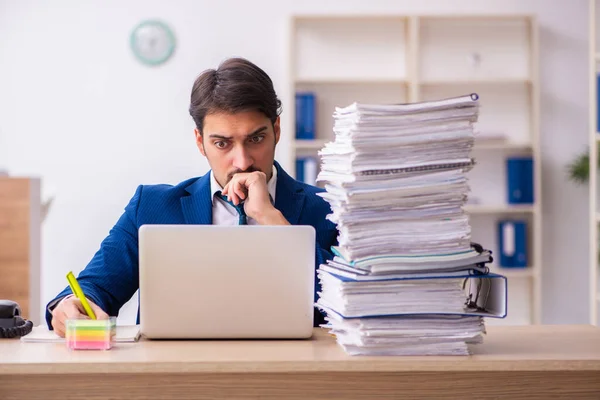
(90, 334)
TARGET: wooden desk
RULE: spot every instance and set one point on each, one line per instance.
(542, 362)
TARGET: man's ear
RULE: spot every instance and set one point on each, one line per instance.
(199, 141)
(277, 129)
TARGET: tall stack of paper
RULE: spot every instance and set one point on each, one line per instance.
(406, 277)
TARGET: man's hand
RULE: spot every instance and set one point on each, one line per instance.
(71, 308)
(251, 188)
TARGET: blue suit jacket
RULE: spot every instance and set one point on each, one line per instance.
(112, 276)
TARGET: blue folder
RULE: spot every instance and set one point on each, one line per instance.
(512, 244)
(305, 116)
(598, 103)
(519, 174)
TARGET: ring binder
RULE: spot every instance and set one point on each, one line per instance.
(350, 298)
(474, 304)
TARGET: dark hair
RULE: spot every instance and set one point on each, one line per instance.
(236, 85)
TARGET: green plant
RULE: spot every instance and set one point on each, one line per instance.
(579, 172)
(579, 168)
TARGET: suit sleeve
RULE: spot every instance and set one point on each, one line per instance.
(111, 278)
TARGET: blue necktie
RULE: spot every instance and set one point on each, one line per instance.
(240, 208)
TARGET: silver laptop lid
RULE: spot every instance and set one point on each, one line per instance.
(208, 281)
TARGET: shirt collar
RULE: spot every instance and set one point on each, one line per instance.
(271, 185)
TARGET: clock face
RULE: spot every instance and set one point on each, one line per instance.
(152, 42)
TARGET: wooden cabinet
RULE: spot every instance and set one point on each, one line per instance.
(20, 220)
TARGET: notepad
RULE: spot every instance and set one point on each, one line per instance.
(41, 334)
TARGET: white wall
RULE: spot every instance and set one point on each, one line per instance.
(78, 110)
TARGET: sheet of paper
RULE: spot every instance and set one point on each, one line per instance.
(41, 334)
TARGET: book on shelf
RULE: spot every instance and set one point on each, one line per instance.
(305, 116)
(519, 180)
(512, 243)
(306, 170)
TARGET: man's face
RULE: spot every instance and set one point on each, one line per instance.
(240, 142)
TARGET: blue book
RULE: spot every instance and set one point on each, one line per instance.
(512, 244)
(307, 170)
(299, 119)
(519, 176)
(305, 116)
(598, 103)
(300, 169)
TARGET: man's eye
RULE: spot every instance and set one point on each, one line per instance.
(221, 144)
(256, 139)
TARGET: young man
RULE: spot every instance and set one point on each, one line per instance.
(236, 112)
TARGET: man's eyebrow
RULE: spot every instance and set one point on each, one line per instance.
(256, 132)
(222, 137)
(215, 136)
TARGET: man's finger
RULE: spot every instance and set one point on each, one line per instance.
(58, 322)
(227, 191)
(239, 191)
(100, 314)
(59, 331)
(231, 194)
(55, 324)
(73, 309)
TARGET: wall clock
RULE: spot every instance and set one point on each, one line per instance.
(152, 42)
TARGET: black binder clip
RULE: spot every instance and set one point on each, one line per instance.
(478, 248)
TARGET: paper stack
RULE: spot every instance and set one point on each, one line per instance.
(406, 277)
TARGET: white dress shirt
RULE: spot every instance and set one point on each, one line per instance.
(224, 213)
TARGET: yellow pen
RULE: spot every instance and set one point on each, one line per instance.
(78, 292)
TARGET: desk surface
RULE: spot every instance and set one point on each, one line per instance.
(523, 348)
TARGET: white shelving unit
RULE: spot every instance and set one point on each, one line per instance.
(594, 139)
(409, 58)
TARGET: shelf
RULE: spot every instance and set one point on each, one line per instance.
(474, 49)
(487, 18)
(487, 81)
(305, 144)
(375, 47)
(348, 80)
(416, 58)
(328, 96)
(358, 18)
(498, 209)
(505, 108)
(491, 145)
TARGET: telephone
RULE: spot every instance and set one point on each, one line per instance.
(11, 323)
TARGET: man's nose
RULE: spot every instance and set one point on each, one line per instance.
(242, 159)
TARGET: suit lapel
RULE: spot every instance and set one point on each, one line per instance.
(289, 196)
(197, 207)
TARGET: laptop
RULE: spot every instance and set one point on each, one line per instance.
(226, 282)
